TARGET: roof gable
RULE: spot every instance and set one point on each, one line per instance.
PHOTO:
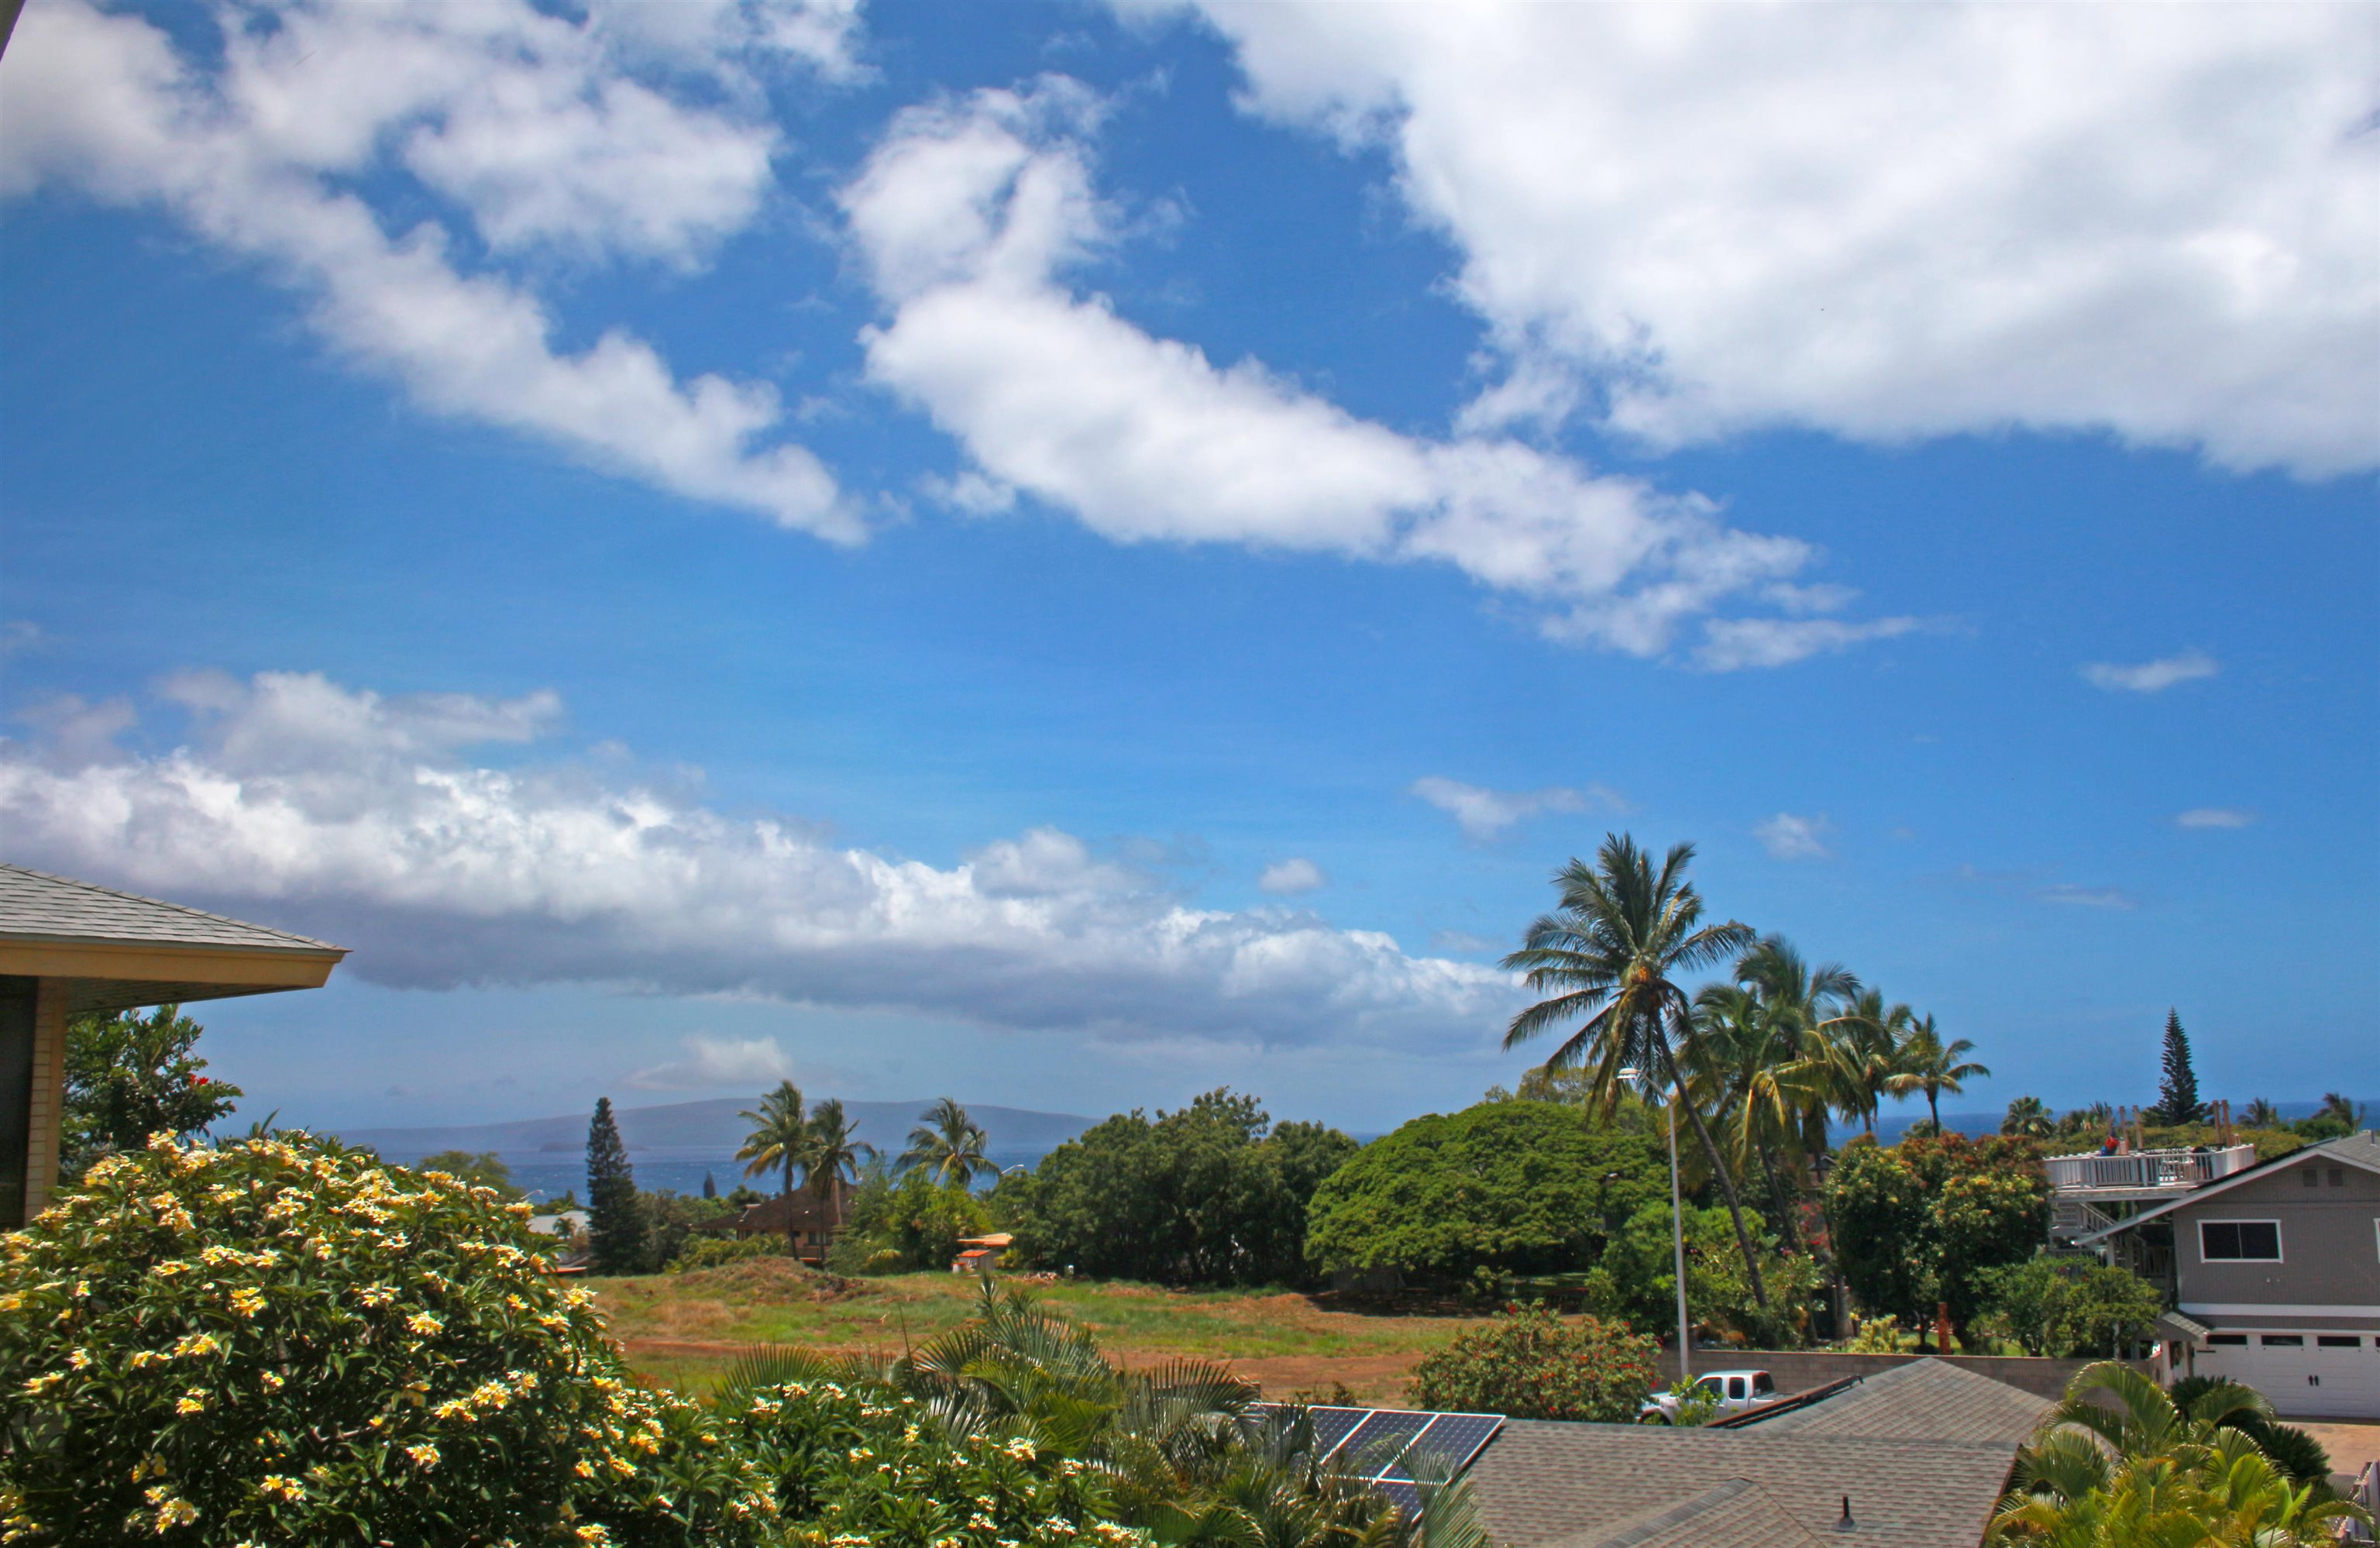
(35, 904)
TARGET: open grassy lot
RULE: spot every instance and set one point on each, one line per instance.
(683, 1328)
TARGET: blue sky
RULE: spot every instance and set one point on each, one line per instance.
(1070, 556)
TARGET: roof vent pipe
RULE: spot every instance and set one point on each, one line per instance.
(1846, 1524)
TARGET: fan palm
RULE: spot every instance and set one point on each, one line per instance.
(1929, 1065)
(2028, 1116)
(832, 1155)
(1609, 955)
(779, 1141)
(947, 1145)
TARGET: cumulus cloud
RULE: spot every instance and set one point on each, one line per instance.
(1885, 222)
(2150, 677)
(1289, 877)
(361, 819)
(971, 216)
(1483, 814)
(1788, 837)
(532, 135)
(713, 1062)
(2215, 817)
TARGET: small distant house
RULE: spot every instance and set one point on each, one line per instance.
(980, 1254)
(812, 1219)
(70, 948)
(2274, 1276)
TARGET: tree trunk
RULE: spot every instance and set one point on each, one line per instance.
(1718, 1169)
(792, 1248)
(1777, 1199)
(1934, 1107)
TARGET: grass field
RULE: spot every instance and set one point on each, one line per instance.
(683, 1329)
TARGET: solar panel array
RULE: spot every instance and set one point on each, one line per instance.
(1379, 1446)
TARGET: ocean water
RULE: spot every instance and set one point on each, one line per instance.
(550, 1174)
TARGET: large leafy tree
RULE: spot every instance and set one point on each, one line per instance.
(617, 1226)
(130, 1076)
(947, 1145)
(1608, 960)
(1927, 1219)
(1518, 1186)
(1933, 1067)
(1214, 1193)
(779, 1141)
(834, 1151)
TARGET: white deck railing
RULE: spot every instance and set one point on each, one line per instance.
(2149, 1169)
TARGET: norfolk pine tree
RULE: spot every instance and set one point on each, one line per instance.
(2177, 1095)
(615, 1216)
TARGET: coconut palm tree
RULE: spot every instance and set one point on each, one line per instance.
(832, 1155)
(946, 1144)
(2028, 1116)
(779, 1140)
(1743, 1069)
(1863, 1044)
(2259, 1114)
(1928, 1065)
(1606, 962)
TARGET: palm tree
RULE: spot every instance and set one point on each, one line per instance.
(780, 1139)
(947, 1144)
(1928, 1066)
(1863, 1046)
(1744, 1069)
(832, 1155)
(2339, 1107)
(2028, 1116)
(1608, 954)
(2259, 1114)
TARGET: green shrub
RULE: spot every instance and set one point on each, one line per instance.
(709, 1253)
(2066, 1308)
(285, 1341)
(1529, 1364)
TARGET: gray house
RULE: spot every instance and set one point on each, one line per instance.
(2276, 1278)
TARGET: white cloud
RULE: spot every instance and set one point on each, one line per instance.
(357, 817)
(713, 1062)
(1788, 837)
(528, 124)
(1483, 814)
(1286, 878)
(968, 217)
(2150, 677)
(2215, 817)
(1889, 221)
(1730, 644)
(2072, 896)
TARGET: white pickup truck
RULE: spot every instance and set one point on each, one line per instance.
(1735, 1390)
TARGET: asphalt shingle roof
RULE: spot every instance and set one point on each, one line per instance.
(35, 904)
(1923, 1451)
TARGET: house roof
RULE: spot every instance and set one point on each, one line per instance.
(119, 949)
(1922, 1455)
(769, 1214)
(2356, 1150)
(1738, 1513)
(1925, 1400)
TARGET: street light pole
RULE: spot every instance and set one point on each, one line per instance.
(1677, 1234)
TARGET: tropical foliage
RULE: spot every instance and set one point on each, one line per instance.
(1530, 1364)
(1925, 1221)
(131, 1076)
(2119, 1462)
(947, 1145)
(1213, 1194)
(2066, 1308)
(1513, 1186)
(899, 1223)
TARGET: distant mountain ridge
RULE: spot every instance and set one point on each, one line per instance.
(713, 1125)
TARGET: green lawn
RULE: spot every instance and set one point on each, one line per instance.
(682, 1328)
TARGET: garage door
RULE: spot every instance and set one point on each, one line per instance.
(2307, 1376)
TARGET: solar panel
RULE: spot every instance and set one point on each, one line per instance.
(1380, 1441)
(1404, 1496)
(1451, 1439)
(1331, 1425)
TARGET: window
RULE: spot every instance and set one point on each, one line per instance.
(2254, 1242)
(1710, 1385)
(2313, 1178)
(2228, 1340)
(1762, 1386)
(2340, 1341)
(1735, 1386)
(2338, 1177)
(2284, 1341)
